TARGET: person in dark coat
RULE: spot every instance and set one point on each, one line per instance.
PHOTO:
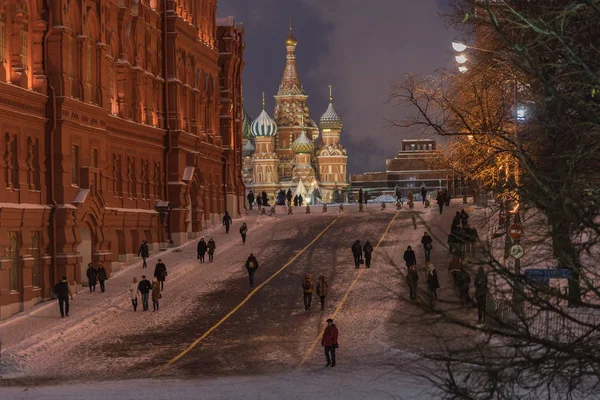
(296, 201)
(367, 197)
(441, 201)
(433, 283)
(427, 243)
(144, 253)
(201, 249)
(357, 253)
(243, 232)
(289, 197)
(360, 196)
(227, 221)
(144, 287)
(307, 289)
(481, 290)
(265, 199)
(92, 275)
(464, 279)
(63, 292)
(160, 273)
(259, 201)
(330, 342)
(368, 250)
(447, 197)
(409, 257)
(412, 278)
(156, 295)
(398, 194)
(464, 218)
(455, 222)
(251, 267)
(211, 249)
(300, 200)
(250, 198)
(322, 290)
(102, 276)
(423, 194)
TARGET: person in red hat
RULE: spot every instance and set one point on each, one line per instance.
(330, 342)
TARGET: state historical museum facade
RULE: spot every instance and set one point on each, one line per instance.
(120, 122)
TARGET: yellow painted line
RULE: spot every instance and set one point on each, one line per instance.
(252, 293)
(339, 307)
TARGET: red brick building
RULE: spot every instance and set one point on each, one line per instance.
(120, 122)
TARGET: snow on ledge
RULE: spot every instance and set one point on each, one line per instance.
(27, 206)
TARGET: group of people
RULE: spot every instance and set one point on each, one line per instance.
(204, 247)
(144, 287)
(443, 199)
(462, 236)
(363, 197)
(96, 275)
(261, 200)
(357, 252)
(308, 287)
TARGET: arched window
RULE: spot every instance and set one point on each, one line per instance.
(24, 34)
(2, 36)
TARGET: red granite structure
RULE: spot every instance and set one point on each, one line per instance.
(120, 122)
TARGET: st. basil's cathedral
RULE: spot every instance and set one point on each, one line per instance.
(289, 151)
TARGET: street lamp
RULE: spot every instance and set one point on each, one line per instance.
(463, 69)
(461, 59)
(459, 47)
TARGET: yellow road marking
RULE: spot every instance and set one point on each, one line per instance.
(339, 307)
(215, 326)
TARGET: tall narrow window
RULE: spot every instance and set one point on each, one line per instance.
(24, 44)
(75, 165)
(111, 89)
(35, 254)
(2, 38)
(13, 255)
(89, 64)
(94, 158)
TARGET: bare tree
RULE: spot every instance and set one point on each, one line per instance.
(540, 340)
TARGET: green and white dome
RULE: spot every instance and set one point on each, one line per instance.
(331, 119)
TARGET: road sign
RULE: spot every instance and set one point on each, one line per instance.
(517, 251)
(542, 274)
(515, 231)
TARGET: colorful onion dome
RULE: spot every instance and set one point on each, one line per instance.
(303, 144)
(331, 119)
(248, 149)
(263, 126)
(246, 124)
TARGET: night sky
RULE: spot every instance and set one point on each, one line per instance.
(357, 46)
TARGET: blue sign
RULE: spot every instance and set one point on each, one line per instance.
(538, 274)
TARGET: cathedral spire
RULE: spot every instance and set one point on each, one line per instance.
(330, 96)
(290, 82)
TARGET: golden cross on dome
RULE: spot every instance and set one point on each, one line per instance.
(330, 96)
(263, 100)
(290, 24)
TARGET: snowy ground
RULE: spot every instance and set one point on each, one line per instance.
(266, 346)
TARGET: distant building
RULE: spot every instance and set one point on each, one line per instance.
(414, 166)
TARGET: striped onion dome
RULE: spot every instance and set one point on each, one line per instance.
(246, 124)
(248, 149)
(331, 119)
(263, 126)
(303, 144)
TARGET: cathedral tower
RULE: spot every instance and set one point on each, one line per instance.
(265, 175)
(331, 155)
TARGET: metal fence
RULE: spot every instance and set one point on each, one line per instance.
(564, 326)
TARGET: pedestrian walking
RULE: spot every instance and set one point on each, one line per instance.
(433, 283)
(464, 218)
(322, 290)
(201, 249)
(160, 273)
(330, 342)
(441, 201)
(288, 196)
(427, 243)
(423, 194)
(63, 292)
(481, 290)
(144, 288)
(211, 249)
(368, 250)
(265, 199)
(92, 276)
(227, 221)
(300, 200)
(307, 288)
(412, 279)
(367, 197)
(357, 253)
(409, 258)
(398, 194)
(144, 252)
(259, 202)
(156, 295)
(360, 196)
(296, 201)
(447, 197)
(464, 279)
(243, 232)
(250, 198)
(252, 267)
(102, 277)
(455, 223)
(133, 291)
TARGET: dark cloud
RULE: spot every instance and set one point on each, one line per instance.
(357, 46)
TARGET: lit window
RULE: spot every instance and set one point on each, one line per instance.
(24, 45)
